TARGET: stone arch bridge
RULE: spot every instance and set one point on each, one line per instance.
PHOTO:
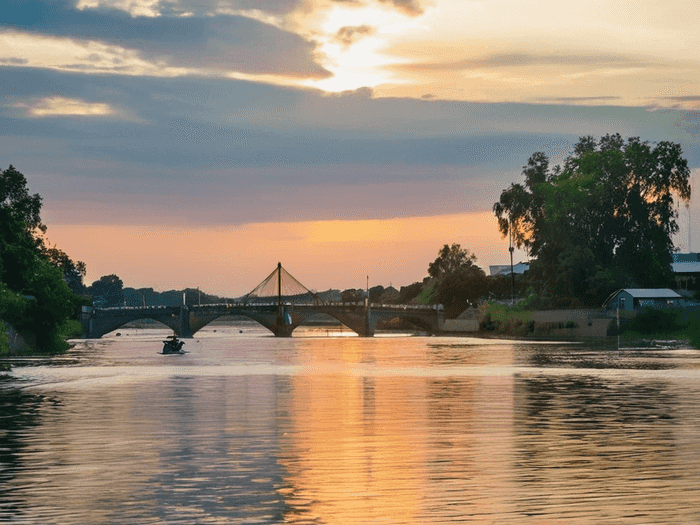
(280, 303)
(281, 320)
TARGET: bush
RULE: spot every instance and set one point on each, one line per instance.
(71, 329)
(654, 320)
(4, 341)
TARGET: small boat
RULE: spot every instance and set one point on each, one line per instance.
(172, 345)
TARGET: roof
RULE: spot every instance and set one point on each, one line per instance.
(686, 267)
(504, 269)
(651, 293)
(645, 293)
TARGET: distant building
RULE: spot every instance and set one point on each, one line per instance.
(686, 270)
(634, 298)
(504, 269)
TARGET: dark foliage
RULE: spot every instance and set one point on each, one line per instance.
(34, 292)
(107, 291)
(600, 222)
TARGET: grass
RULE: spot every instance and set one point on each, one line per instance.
(71, 329)
(427, 293)
(499, 318)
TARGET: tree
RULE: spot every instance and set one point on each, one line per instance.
(458, 291)
(19, 222)
(73, 272)
(35, 297)
(107, 291)
(410, 292)
(17, 204)
(460, 282)
(603, 220)
(451, 259)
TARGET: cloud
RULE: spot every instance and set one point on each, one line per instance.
(71, 54)
(14, 61)
(505, 60)
(223, 43)
(61, 106)
(232, 152)
(580, 100)
(412, 7)
(680, 102)
(147, 8)
(154, 8)
(347, 35)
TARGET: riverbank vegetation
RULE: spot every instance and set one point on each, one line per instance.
(39, 283)
(602, 221)
(663, 324)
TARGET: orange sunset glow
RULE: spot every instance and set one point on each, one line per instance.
(321, 254)
(187, 143)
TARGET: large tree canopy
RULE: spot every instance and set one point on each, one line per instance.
(460, 282)
(603, 220)
(34, 294)
(107, 291)
(451, 259)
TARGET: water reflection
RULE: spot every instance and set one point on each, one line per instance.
(396, 449)
(351, 431)
(180, 451)
(588, 449)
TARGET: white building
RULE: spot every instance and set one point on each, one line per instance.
(504, 269)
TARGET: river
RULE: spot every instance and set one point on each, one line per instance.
(327, 428)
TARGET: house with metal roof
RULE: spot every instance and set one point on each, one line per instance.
(634, 298)
(686, 270)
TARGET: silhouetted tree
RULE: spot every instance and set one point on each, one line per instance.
(410, 292)
(73, 272)
(460, 282)
(451, 259)
(602, 221)
(351, 296)
(107, 291)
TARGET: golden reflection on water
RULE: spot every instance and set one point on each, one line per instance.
(395, 449)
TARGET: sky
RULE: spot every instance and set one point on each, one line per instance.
(196, 143)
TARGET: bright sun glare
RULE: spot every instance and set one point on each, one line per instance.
(361, 62)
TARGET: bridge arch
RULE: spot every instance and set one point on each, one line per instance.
(199, 322)
(158, 324)
(98, 322)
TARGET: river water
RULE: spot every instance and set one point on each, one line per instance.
(328, 428)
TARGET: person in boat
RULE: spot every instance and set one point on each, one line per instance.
(172, 344)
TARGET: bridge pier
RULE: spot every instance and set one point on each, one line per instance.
(283, 330)
(185, 330)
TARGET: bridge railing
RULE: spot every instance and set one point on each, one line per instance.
(268, 304)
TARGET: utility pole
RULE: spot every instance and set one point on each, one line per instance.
(512, 275)
(279, 292)
(367, 314)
